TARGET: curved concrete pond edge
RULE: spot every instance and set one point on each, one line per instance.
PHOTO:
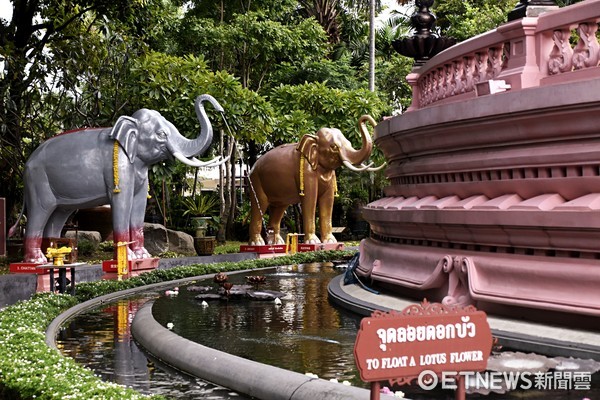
(241, 375)
(258, 380)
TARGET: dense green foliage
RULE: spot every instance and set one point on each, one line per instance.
(463, 19)
(281, 68)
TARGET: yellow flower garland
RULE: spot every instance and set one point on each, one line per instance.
(335, 187)
(116, 170)
(335, 190)
(301, 175)
(116, 167)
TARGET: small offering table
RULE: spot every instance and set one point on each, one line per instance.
(60, 283)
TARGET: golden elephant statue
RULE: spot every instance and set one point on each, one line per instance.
(304, 173)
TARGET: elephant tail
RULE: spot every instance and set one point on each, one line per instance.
(13, 229)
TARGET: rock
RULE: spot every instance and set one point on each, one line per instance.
(181, 243)
(91, 236)
(156, 239)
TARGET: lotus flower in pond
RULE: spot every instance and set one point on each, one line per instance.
(256, 280)
(220, 278)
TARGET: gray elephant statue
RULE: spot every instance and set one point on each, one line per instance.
(304, 173)
(97, 166)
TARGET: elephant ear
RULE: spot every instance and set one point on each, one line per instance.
(308, 147)
(125, 132)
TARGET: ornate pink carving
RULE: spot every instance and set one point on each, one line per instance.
(458, 284)
(449, 69)
(505, 55)
(560, 59)
(441, 79)
(586, 51)
(425, 308)
(481, 66)
(469, 73)
(495, 62)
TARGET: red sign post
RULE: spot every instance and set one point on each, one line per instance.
(398, 346)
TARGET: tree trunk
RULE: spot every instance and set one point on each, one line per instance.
(227, 215)
(231, 198)
(372, 45)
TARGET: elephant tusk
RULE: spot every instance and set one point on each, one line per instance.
(205, 163)
(363, 167)
(185, 160)
(351, 167)
(373, 169)
(194, 162)
(215, 162)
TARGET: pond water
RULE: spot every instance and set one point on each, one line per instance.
(100, 339)
(304, 334)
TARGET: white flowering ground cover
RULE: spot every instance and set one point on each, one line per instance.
(29, 369)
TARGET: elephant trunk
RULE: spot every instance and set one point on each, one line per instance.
(356, 157)
(190, 148)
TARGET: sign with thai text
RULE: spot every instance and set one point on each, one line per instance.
(429, 336)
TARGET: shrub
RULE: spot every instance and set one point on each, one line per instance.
(107, 246)
(85, 247)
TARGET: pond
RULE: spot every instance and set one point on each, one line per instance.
(303, 334)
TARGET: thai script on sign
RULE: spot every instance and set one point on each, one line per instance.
(422, 333)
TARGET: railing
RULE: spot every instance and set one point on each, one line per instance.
(557, 47)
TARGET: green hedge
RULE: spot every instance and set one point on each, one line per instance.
(30, 369)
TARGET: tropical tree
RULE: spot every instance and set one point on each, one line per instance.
(463, 19)
(50, 50)
(171, 84)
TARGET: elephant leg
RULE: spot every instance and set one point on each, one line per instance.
(275, 217)
(121, 205)
(56, 222)
(37, 217)
(325, 213)
(257, 210)
(136, 226)
(309, 207)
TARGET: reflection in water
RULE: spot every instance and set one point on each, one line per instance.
(304, 334)
(101, 340)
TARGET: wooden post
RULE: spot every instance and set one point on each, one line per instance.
(375, 390)
(460, 393)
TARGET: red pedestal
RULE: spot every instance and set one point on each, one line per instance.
(133, 265)
(320, 246)
(263, 249)
(27, 268)
(280, 248)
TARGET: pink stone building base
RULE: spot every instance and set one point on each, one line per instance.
(494, 197)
